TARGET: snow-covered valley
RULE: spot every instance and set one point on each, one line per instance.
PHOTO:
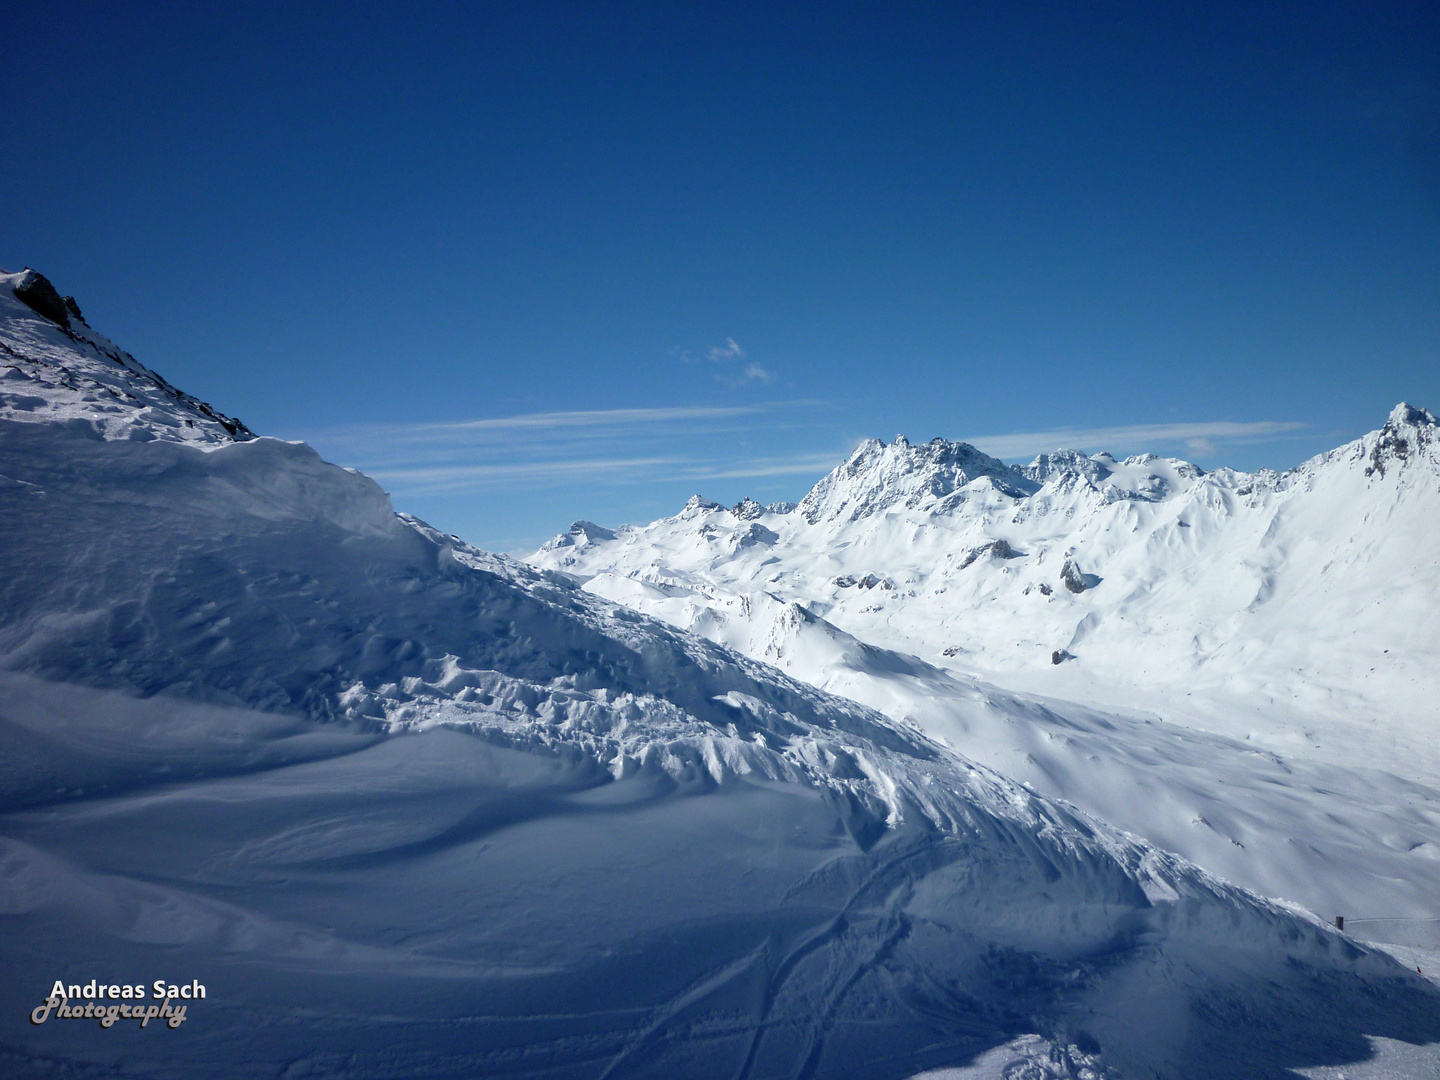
(410, 809)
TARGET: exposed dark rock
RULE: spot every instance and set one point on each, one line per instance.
(581, 532)
(35, 292)
(756, 534)
(1407, 431)
(1059, 656)
(998, 549)
(1045, 589)
(1074, 580)
(747, 509)
(1068, 465)
(869, 581)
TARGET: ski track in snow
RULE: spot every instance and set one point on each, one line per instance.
(409, 809)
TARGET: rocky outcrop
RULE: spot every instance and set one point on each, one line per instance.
(581, 534)
(698, 505)
(130, 386)
(1062, 465)
(1407, 432)
(869, 581)
(994, 549)
(35, 291)
(747, 509)
(1074, 580)
(755, 534)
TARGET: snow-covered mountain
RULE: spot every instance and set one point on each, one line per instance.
(410, 809)
(1238, 666)
(1144, 572)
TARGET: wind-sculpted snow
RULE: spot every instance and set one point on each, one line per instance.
(408, 809)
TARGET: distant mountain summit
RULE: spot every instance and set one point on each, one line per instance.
(1408, 435)
(933, 476)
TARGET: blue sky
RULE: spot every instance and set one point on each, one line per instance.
(529, 263)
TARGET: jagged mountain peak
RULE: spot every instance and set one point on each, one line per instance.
(1408, 434)
(747, 509)
(1407, 415)
(580, 534)
(877, 476)
(1062, 463)
(697, 504)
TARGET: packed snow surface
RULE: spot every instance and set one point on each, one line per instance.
(407, 809)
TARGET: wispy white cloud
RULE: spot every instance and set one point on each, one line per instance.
(719, 354)
(548, 421)
(432, 480)
(729, 354)
(565, 449)
(438, 479)
(1200, 438)
(815, 465)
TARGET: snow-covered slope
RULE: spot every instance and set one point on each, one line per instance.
(409, 809)
(1238, 666)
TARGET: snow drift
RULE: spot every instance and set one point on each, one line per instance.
(408, 809)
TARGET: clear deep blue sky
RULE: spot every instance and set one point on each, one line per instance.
(401, 231)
